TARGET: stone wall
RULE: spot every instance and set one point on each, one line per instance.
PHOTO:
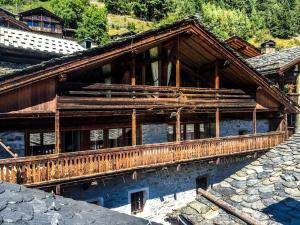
(234, 127)
(167, 188)
(155, 133)
(14, 139)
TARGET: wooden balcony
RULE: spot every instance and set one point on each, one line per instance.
(104, 96)
(50, 169)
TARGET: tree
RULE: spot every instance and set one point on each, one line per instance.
(153, 10)
(120, 7)
(70, 10)
(283, 23)
(94, 25)
(224, 22)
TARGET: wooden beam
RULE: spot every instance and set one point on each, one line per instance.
(254, 121)
(178, 126)
(217, 75)
(218, 123)
(133, 127)
(57, 132)
(218, 201)
(144, 70)
(177, 65)
(133, 75)
(58, 189)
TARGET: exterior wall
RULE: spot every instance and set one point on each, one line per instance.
(167, 188)
(155, 133)
(233, 127)
(14, 139)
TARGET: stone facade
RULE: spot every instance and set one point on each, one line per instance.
(14, 139)
(155, 133)
(165, 188)
(234, 127)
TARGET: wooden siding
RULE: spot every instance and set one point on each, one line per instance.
(41, 170)
(102, 96)
(38, 97)
(265, 100)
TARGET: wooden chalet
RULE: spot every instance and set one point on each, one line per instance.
(153, 99)
(244, 48)
(42, 20)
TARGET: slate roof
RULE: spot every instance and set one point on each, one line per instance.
(24, 206)
(268, 189)
(272, 62)
(7, 67)
(32, 41)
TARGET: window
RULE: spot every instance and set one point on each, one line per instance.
(115, 138)
(201, 182)
(47, 25)
(171, 133)
(137, 202)
(96, 139)
(127, 137)
(71, 141)
(41, 143)
(190, 132)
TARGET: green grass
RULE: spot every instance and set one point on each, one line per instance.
(121, 24)
(280, 43)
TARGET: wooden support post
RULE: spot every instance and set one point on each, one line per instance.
(57, 133)
(133, 127)
(217, 76)
(286, 125)
(178, 126)
(144, 71)
(132, 69)
(58, 189)
(254, 121)
(218, 123)
(177, 64)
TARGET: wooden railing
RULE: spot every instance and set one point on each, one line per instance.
(41, 170)
(114, 96)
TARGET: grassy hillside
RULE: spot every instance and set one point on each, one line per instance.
(120, 24)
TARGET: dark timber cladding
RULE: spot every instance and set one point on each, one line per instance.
(103, 111)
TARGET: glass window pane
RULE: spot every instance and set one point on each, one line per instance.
(35, 139)
(96, 139)
(115, 137)
(170, 133)
(49, 138)
(190, 132)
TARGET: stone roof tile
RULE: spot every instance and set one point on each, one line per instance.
(267, 189)
(20, 205)
(272, 62)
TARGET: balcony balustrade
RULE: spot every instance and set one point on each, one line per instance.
(47, 169)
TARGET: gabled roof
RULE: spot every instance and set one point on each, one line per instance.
(10, 17)
(20, 205)
(149, 38)
(40, 10)
(242, 46)
(7, 12)
(276, 62)
(37, 42)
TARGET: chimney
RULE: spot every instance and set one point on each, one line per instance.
(268, 47)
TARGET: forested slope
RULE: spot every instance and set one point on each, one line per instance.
(254, 20)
